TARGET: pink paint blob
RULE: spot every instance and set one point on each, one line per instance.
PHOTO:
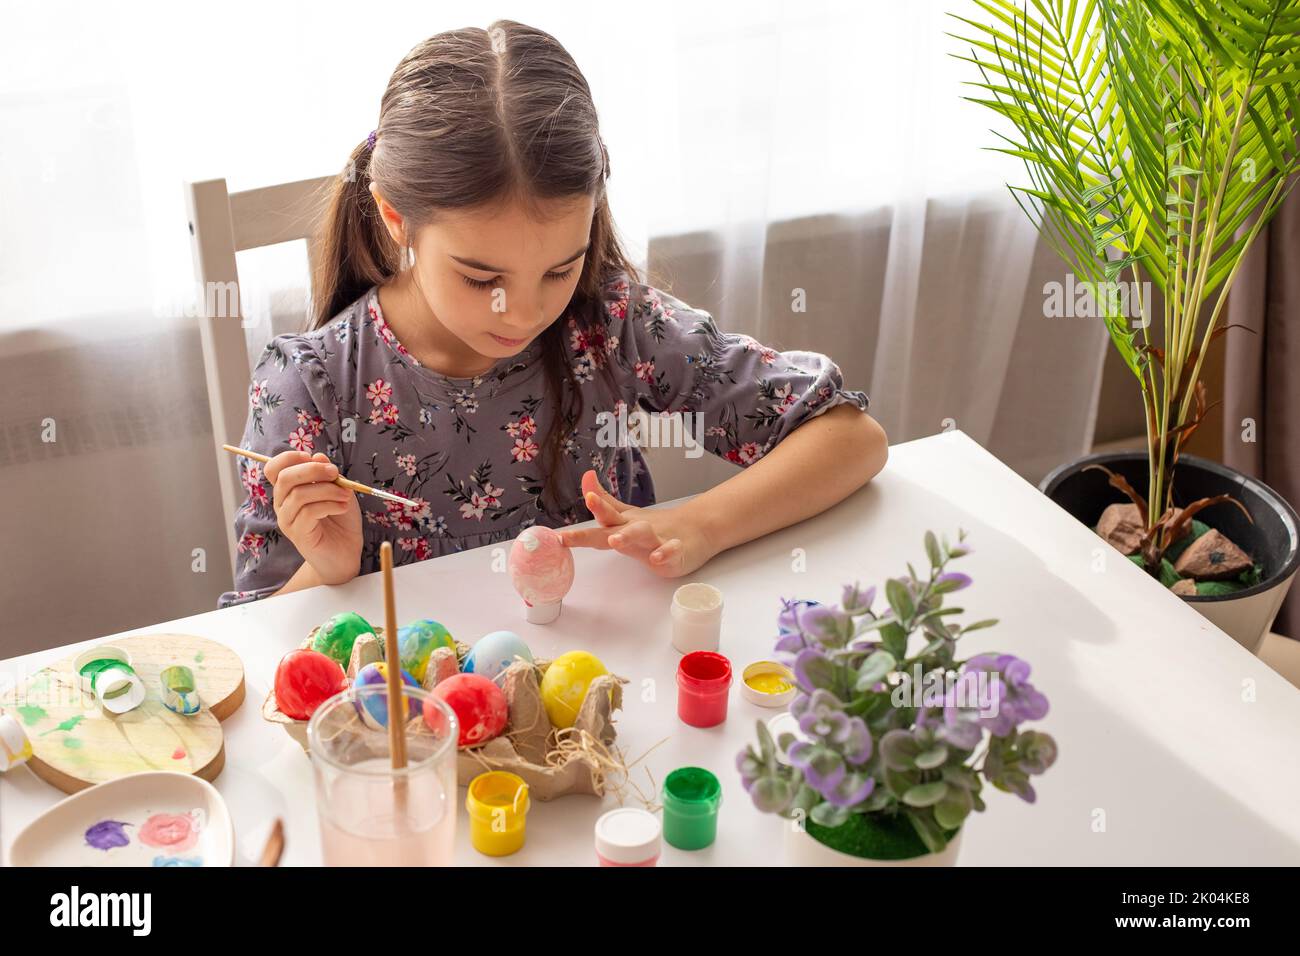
(170, 831)
(178, 754)
(541, 566)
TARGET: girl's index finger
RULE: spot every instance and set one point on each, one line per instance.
(602, 510)
(586, 538)
(278, 463)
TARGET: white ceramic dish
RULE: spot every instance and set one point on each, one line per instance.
(145, 819)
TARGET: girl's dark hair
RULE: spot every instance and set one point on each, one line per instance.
(473, 118)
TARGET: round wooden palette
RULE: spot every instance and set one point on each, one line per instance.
(76, 744)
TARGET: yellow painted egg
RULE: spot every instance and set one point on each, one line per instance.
(565, 684)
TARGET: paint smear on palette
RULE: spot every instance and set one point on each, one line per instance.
(198, 658)
(72, 743)
(170, 831)
(178, 753)
(69, 724)
(177, 861)
(32, 715)
(107, 834)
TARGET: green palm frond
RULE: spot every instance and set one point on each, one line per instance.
(1159, 137)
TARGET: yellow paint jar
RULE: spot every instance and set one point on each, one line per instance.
(768, 684)
(497, 802)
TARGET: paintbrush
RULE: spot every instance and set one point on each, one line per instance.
(342, 482)
(396, 694)
(274, 845)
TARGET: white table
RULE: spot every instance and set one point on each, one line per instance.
(1176, 745)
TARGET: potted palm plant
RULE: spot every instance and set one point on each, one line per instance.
(1159, 137)
(891, 739)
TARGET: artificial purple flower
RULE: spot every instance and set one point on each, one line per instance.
(823, 768)
(810, 668)
(850, 791)
(855, 600)
(1015, 699)
(819, 623)
(791, 642)
(821, 717)
(954, 580)
(791, 614)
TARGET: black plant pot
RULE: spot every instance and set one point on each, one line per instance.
(1272, 540)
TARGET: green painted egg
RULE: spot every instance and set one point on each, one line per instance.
(336, 636)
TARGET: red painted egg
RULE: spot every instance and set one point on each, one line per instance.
(479, 704)
(304, 680)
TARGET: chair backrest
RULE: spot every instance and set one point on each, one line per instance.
(222, 224)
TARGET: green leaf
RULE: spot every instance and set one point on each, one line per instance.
(932, 550)
(894, 639)
(829, 815)
(898, 750)
(1217, 588)
(926, 794)
(979, 625)
(900, 600)
(933, 837)
(934, 757)
(874, 669)
(898, 781)
(951, 812)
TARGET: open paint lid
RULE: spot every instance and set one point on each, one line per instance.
(119, 689)
(89, 664)
(768, 684)
(627, 835)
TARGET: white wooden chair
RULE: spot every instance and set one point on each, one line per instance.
(222, 224)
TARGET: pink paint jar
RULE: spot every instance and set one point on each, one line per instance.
(628, 837)
(703, 685)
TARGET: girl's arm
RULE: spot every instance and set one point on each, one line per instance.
(817, 465)
(776, 414)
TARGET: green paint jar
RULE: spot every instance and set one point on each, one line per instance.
(691, 797)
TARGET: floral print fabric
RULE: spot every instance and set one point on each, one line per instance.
(469, 451)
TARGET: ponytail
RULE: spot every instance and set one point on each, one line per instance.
(354, 250)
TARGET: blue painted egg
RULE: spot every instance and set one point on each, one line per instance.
(374, 709)
(494, 653)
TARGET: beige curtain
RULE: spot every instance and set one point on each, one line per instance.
(1262, 383)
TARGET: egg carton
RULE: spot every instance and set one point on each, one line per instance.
(553, 762)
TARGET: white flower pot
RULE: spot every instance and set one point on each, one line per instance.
(804, 850)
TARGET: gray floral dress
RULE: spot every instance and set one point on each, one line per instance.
(469, 451)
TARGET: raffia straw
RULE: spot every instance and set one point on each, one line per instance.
(649, 803)
(603, 763)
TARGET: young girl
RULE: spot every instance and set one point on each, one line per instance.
(475, 314)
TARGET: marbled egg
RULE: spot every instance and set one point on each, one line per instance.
(374, 709)
(418, 640)
(494, 653)
(336, 636)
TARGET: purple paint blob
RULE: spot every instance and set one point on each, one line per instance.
(107, 834)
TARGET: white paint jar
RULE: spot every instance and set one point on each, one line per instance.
(697, 617)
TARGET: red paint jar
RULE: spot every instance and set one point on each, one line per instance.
(703, 685)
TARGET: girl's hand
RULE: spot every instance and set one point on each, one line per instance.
(321, 519)
(663, 539)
